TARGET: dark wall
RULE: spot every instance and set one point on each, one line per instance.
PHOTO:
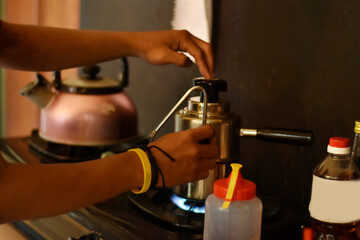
(289, 64)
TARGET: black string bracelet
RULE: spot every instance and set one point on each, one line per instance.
(154, 166)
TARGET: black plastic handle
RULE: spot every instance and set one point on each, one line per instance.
(279, 135)
(125, 72)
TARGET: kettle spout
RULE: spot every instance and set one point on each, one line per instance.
(39, 91)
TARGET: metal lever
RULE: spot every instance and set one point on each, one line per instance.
(278, 135)
(182, 99)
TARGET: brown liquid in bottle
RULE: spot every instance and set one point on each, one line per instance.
(335, 231)
(340, 168)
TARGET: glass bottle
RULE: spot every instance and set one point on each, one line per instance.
(355, 153)
(335, 197)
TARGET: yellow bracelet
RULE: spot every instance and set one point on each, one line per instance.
(147, 170)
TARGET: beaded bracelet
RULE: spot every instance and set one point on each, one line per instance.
(147, 170)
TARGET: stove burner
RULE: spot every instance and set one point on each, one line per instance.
(196, 206)
(55, 152)
(158, 204)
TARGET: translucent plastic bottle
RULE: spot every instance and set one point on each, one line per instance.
(335, 197)
(233, 211)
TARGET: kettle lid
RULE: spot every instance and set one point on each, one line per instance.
(91, 83)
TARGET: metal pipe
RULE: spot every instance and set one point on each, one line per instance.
(182, 99)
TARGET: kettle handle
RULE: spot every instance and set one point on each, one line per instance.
(182, 99)
(125, 72)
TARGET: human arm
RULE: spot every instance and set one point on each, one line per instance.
(42, 190)
(39, 48)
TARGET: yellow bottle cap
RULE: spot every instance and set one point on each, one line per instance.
(357, 126)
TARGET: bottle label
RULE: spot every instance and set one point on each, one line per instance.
(335, 201)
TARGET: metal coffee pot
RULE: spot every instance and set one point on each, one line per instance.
(84, 111)
(225, 123)
(209, 108)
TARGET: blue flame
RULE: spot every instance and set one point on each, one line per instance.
(187, 205)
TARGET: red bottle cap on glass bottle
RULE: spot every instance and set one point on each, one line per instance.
(339, 145)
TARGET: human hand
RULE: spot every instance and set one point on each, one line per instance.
(192, 159)
(164, 47)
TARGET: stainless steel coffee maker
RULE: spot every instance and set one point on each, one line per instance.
(207, 108)
(225, 123)
(210, 108)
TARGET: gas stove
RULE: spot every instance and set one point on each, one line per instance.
(156, 214)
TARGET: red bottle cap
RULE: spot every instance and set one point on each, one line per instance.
(339, 145)
(244, 189)
(339, 142)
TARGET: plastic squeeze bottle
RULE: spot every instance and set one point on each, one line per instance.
(233, 211)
